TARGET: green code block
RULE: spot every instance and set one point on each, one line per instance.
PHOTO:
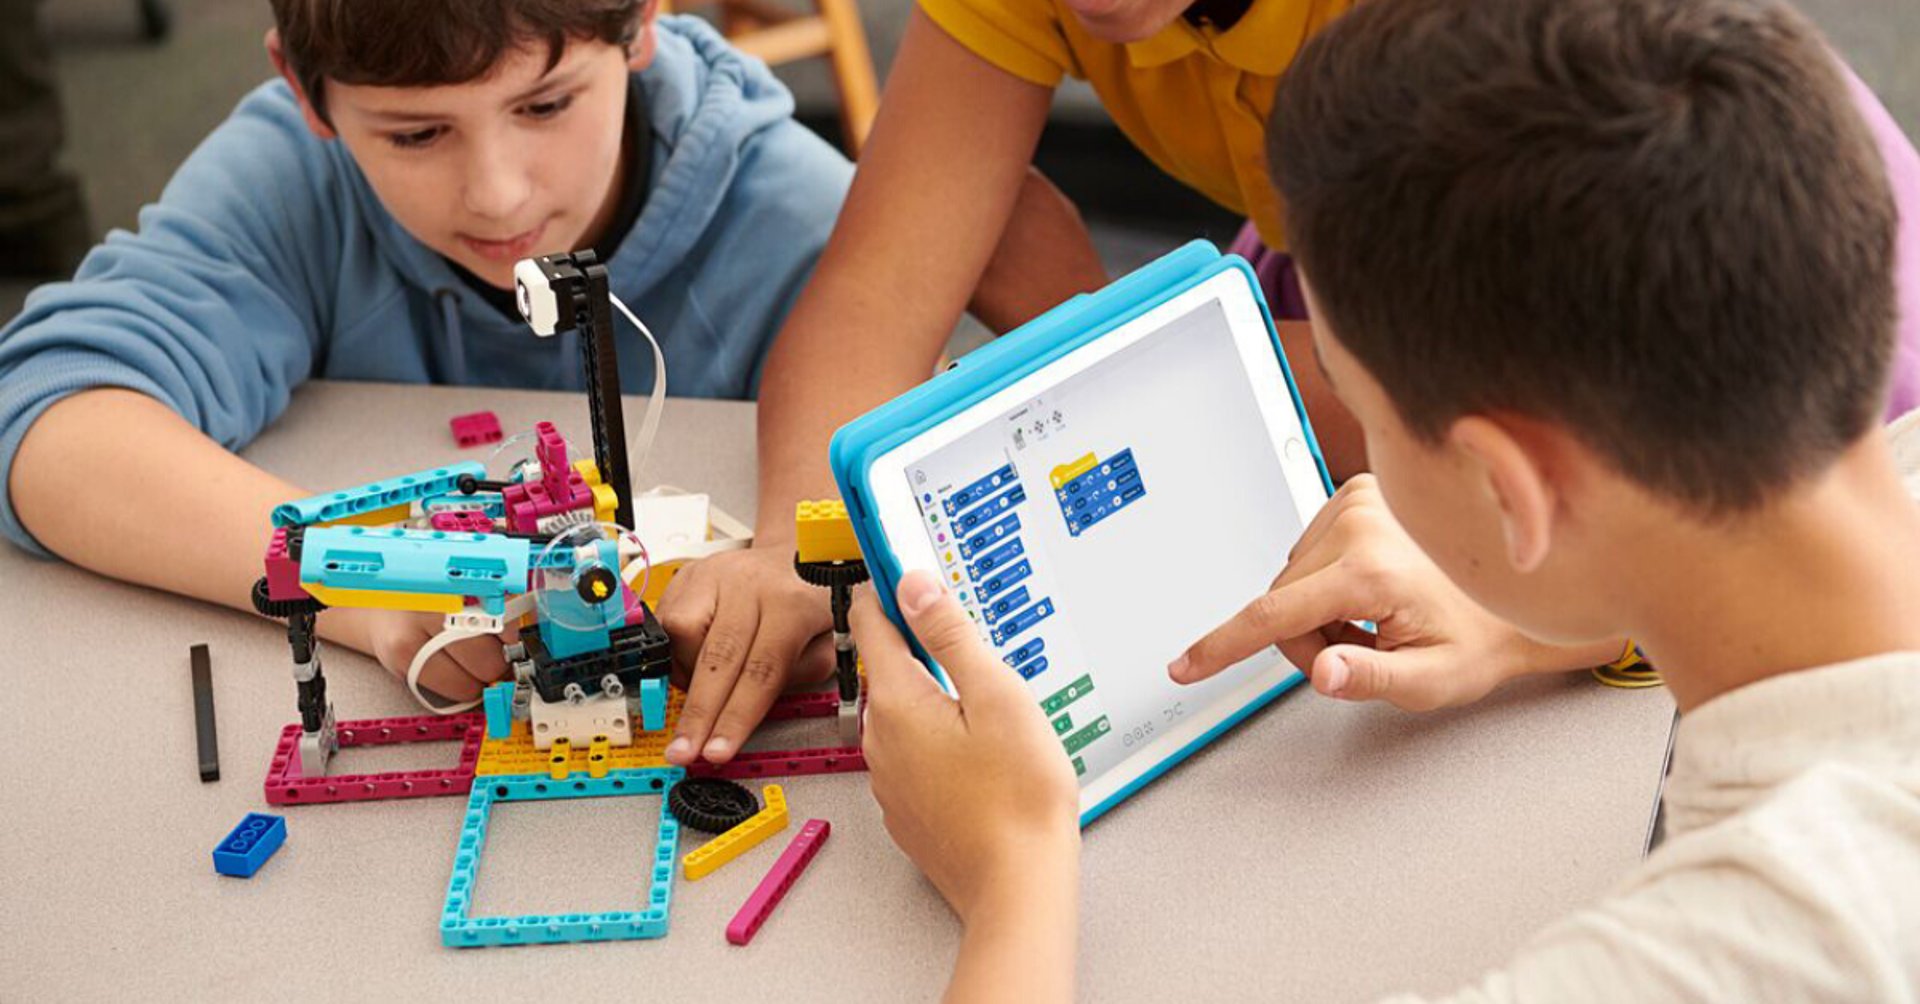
(1079, 740)
(1063, 725)
(1079, 766)
(1067, 695)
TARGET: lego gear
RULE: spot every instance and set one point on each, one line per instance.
(282, 609)
(710, 804)
(842, 574)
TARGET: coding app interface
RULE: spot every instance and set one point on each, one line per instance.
(1095, 532)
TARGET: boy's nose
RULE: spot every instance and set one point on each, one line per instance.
(497, 185)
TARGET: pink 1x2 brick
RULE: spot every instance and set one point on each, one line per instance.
(476, 429)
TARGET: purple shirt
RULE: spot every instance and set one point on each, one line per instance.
(1903, 175)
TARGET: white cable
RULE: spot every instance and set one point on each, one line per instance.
(428, 651)
(641, 443)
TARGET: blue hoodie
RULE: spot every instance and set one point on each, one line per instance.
(268, 260)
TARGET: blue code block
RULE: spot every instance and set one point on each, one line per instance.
(978, 516)
(250, 845)
(1026, 651)
(1032, 669)
(990, 536)
(996, 558)
(1100, 492)
(1021, 621)
(1004, 579)
(978, 490)
(1005, 605)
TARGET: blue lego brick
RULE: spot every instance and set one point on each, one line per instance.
(978, 490)
(1004, 579)
(499, 705)
(995, 558)
(990, 536)
(482, 565)
(1005, 605)
(403, 490)
(457, 930)
(1021, 621)
(250, 845)
(1025, 652)
(653, 705)
(1032, 669)
(1101, 492)
(979, 515)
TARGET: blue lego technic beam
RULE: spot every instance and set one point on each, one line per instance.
(485, 566)
(404, 490)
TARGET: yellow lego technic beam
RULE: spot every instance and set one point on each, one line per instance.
(823, 532)
(740, 839)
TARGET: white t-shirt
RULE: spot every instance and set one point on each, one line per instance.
(1791, 868)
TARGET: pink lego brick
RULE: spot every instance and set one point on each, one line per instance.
(784, 763)
(791, 706)
(283, 572)
(551, 450)
(477, 429)
(773, 888)
(286, 786)
(463, 521)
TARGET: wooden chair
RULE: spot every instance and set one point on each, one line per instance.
(780, 34)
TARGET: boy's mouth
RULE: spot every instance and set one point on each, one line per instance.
(507, 249)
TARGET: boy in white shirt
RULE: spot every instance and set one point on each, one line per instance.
(1608, 286)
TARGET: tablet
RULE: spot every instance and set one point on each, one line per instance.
(1107, 486)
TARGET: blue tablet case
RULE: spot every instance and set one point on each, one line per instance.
(981, 373)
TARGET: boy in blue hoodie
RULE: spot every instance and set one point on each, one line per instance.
(359, 219)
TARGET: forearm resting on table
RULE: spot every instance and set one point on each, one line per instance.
(1020, 939)
(90, 491)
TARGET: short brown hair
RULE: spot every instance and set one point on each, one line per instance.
(426, 43)
(1658, 223)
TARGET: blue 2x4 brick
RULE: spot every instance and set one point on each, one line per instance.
(250, 845)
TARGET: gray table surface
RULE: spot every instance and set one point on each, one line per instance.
(1321, 851)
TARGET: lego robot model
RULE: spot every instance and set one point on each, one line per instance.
(547, 543)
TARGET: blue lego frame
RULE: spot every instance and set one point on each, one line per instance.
(458, 930)
(981, 373)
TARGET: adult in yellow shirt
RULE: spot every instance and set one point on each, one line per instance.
(948, 161)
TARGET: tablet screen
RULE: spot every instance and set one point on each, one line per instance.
(1124, 500)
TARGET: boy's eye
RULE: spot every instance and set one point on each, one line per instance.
(548, 109)
(415, 139)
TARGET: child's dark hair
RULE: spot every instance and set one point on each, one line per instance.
(1659, 223)
(425, 43)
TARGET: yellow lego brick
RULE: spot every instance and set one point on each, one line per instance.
(1067, 472)
(516, 754)
(597, 757)
(588, 470)
(378, 517)
(740, 839)
(557, 759)
(823, 532)
(605, 501)
(374, 599)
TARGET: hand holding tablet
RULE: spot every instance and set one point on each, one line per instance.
(1096, 491)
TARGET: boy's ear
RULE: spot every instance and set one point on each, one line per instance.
(640, 50)
(1515, 459)
(277, 53)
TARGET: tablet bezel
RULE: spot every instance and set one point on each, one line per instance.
(897, 515)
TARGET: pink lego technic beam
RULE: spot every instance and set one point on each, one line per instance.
(773, 888)
(286, 786)
(784, 763)
(825, 704)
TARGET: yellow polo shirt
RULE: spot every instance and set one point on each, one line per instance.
(1194, 100)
